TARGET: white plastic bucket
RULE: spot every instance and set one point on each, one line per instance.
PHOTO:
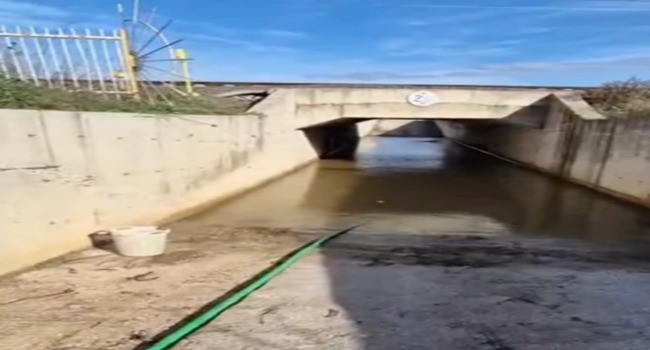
(140, 240)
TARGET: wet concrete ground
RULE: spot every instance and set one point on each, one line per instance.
(445, 293)
(361, 292)
(95, 300)
(456, 252)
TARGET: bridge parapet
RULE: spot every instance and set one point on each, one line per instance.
(319, 106)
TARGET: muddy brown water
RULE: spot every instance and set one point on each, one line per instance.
(431, 186)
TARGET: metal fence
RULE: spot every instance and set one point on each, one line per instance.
(88, 60)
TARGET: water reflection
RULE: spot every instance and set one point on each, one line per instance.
(424, 186)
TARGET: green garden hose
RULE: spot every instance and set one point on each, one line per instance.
(214, 311)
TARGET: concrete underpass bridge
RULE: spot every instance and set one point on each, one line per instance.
(329, 116)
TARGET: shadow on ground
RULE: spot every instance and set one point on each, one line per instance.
(453, 293)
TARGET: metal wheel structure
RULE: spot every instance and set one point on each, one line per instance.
(154, 65)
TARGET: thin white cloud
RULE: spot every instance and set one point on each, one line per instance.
(533, 30)
(447, 52)
(416, 77)
(245, 44)
(445, 48)
(436, 19)
(281, 33)
(21, 13)
(27, 14)
(625, 6)
(512, 71)
(21, 8)
(598, 62)
(102, 21)
(416, 22)
(209, 28)
(397, 43)
(631, 4)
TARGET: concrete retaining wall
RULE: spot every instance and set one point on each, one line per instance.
(612, 155)
(64, 175)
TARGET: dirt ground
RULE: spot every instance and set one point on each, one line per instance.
(371, 292)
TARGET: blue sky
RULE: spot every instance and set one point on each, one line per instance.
(532, 42)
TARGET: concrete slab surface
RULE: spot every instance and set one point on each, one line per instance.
(372, 292)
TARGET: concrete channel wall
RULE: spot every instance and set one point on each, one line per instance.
(612, 156)
(64, 175)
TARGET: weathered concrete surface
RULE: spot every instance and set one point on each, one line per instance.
(114, 169)
(64, 175)
(452, 286)
(98, 300)
(316, 106)
(362, 292)
(311, 107)
(328, 115)
(611, 155)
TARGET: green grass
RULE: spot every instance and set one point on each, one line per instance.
(18, 94)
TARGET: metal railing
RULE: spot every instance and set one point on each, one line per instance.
(89, 60)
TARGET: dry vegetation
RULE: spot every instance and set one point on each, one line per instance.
(24, 95)
(630, 98)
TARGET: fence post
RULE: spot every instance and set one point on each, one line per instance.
(129, 65)
(182, 56)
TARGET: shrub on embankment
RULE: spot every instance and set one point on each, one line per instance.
(17, 94)
(622, 99)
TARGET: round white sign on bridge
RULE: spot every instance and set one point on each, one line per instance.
(422, 99)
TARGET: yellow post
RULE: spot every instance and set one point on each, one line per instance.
(129, 65)
(181, 55)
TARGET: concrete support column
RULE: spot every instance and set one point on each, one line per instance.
(337, 141)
